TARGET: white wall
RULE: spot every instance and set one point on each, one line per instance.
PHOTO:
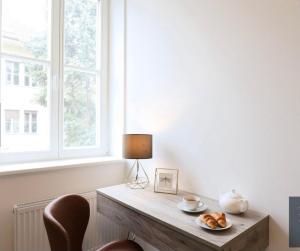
(23, 188)
(218, 84)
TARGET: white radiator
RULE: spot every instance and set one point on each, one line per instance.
(30, 233)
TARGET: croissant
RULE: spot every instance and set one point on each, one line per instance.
(220, 218)
(208, 220)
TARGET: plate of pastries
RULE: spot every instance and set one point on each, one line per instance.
(214, 221)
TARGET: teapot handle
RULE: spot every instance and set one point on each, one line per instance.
(244, 205)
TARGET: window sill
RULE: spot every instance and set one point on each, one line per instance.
(56, 165)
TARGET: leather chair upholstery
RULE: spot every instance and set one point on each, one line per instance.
(66, 220)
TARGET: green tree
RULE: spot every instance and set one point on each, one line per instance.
(79, 86)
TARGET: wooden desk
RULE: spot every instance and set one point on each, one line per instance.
(155, 218)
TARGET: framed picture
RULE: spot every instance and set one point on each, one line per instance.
(166, 181)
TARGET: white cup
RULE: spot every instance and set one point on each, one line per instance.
(191, 202)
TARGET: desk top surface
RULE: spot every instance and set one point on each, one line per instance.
(163, 209)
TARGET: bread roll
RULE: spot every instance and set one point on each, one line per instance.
(208, 220)
(220, 218)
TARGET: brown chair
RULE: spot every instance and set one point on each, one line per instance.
(66, 220)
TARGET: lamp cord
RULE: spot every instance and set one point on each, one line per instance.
(137, 170)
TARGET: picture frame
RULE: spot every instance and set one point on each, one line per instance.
(166, 180)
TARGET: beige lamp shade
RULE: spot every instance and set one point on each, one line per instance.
(137, 146)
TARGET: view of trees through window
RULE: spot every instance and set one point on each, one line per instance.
(80, 71)
(80, 74)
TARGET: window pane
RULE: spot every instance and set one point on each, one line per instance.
(80, 33)
(31, 105)
(26, 75)
(12, 121)
(8, 126)
(16, 79)
(26, 122)
(9, 69)
(37, 74)
(80, 109)
(26, 81)
(33, 122)
(16, 68)
(25, 27)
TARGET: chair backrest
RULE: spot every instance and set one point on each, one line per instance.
(66, 220)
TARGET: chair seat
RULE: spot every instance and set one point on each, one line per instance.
(125, 245)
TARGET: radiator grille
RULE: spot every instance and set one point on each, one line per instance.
(30, 233)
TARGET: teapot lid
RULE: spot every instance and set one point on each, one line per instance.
(234, 195)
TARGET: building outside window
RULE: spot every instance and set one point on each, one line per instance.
(23, 74)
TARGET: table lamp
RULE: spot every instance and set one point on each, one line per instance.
(137, 146)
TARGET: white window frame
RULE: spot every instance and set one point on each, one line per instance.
(56, 149)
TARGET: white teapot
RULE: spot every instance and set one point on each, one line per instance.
(233, 203)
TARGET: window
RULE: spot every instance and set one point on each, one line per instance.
(16, 73)
(12, 121)
(30, 122)
(12, 72)
(26, 76)
(35, 75)
(26, 54)
(81, 75)
(64, 114)
(32, 74)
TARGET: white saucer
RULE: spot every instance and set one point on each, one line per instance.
(202, 207)
(201, 224)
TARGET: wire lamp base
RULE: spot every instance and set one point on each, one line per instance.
(137, 177)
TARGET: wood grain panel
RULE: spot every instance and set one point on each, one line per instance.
(154, 232)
